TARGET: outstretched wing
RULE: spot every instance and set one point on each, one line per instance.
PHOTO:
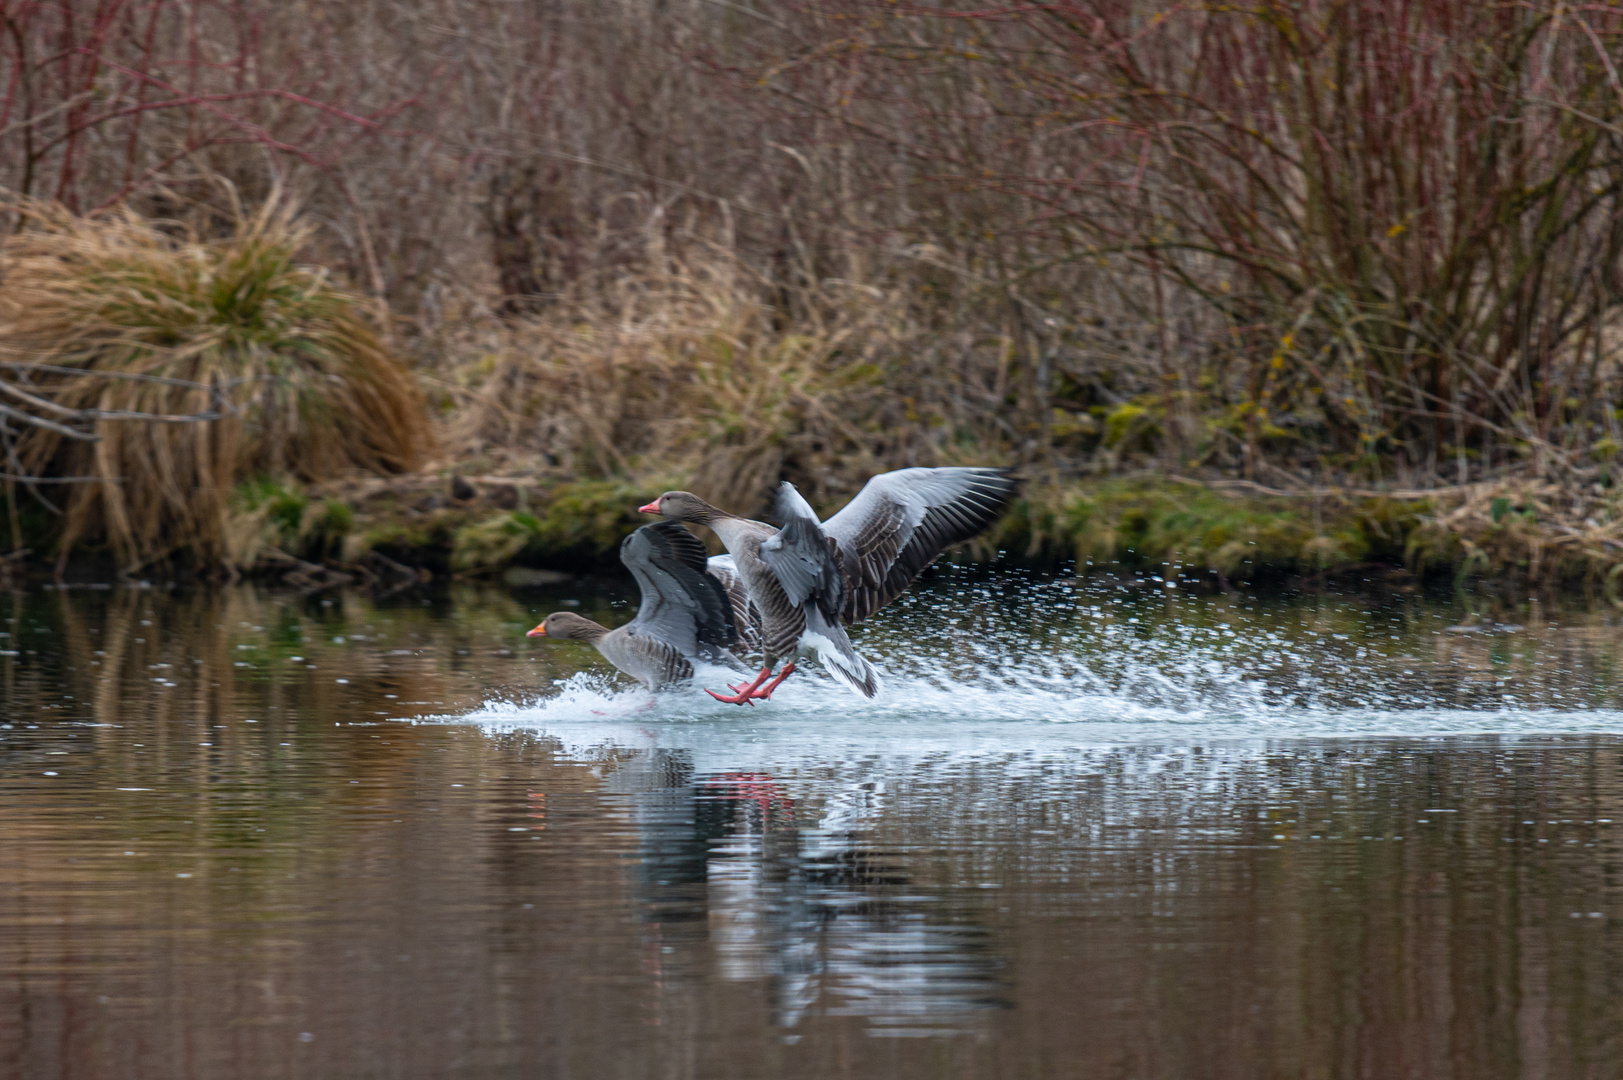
(805, 561)
(901, 521)
(682, 604)
(746, 617)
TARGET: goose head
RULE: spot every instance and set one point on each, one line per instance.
(682, 506)
(568, 625)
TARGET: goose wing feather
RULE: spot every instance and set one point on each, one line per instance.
(654, 662)
(802, 557)
(746, 617)
(901, 521)
(683, 605)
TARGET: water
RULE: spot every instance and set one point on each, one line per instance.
(1096, 829)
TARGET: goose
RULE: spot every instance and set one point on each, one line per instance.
(809, 578)
(745, 615)
(686, 611)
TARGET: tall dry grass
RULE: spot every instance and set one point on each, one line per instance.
(689, 373)
(132, 318)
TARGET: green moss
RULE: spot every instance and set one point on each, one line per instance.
(325, 529)
(1157, 523)
(571, 524)
(1130, 426)
(283, 507)
(419, 539)
(287, 519)
(337, 517)
(1147, 523)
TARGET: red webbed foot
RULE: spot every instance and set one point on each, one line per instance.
(745, 693)
(737, 699)
(765, 692)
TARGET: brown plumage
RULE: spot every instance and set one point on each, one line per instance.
(685, 611)
(809, 577)
(901, 522)
(782, 623)
(746, 617)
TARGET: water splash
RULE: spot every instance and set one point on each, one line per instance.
(1118, 721)
(1019, 661)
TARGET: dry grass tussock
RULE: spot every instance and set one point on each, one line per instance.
(1541, 530)
(688, 375)
(150, 317)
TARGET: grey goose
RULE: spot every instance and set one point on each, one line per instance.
(686, 611)
(810, 578)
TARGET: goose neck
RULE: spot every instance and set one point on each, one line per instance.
(590, 632)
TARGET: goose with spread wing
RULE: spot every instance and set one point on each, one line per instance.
(686, 611)
(808, 578)
(746, 617)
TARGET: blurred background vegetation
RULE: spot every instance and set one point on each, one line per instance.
(456, 281)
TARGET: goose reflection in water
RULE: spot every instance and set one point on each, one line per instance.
(731, 872)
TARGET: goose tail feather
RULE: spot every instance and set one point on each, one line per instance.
(838, 655)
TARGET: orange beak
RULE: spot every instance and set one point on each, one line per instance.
(540, 631)
(651, 508)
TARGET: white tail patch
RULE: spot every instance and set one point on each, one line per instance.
(837, 654)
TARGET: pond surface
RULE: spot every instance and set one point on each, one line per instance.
(1097, 829)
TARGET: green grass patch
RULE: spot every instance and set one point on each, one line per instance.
(1163, 524)
(573, 524)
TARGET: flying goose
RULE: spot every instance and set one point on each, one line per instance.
(809, 578)
(686, 612)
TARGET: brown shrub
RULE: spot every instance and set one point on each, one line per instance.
(687, 373)
(140, 319)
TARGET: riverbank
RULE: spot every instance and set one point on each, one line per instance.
(403, 530)
(523, 444)
(721, 273)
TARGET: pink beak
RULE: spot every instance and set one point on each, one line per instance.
(540, 631)
(651, 508)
